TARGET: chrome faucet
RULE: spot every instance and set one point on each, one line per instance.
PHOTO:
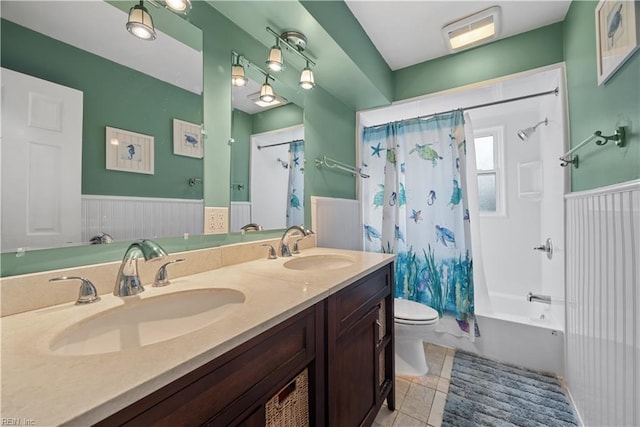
(128, 282)
(285, 251)
(546, 299)
(251, 227)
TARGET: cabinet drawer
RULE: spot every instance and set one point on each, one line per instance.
(356, 300)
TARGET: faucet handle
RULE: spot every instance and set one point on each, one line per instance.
(272, 252)
(296, 248)
(87, 293)
(162, 277)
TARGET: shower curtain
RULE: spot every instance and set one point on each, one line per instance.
(416, 206)
(295, 194)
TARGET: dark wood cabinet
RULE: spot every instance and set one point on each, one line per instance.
(360, 350)
(345, 343)
(232, 389)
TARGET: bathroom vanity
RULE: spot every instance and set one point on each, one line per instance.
(316, 326)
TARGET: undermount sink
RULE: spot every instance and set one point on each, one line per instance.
(319, 262)
(147, 321)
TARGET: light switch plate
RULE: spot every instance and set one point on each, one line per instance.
(216, 220)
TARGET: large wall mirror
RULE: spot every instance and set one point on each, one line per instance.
(121, 82)
(267, 156)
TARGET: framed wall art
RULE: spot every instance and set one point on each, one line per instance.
(617, 35)
(129, 151)
(187, 139)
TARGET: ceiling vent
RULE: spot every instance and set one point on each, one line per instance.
(474, 30)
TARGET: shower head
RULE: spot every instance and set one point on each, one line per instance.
(524, 134)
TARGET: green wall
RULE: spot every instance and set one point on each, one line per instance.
(115, 96)
(277, 118)
(240, 155)
(329, 130)
(522, 52)
(593, 107)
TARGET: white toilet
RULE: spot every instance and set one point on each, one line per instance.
(412, 321)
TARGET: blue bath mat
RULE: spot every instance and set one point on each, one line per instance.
(484, 392)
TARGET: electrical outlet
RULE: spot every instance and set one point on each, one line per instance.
(216, 220)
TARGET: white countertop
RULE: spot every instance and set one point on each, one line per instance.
(50, 389)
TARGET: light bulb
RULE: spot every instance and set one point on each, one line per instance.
(274, 61)
(306, 79)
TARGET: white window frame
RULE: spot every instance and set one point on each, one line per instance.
(497, 132)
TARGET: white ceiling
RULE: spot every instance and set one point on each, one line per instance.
(409, 32)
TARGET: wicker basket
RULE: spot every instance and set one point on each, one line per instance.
(290, 406)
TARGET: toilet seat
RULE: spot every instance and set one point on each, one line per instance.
(412, 313)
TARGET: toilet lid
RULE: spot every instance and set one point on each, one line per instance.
(411, 310)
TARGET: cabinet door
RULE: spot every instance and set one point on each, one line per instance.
(386, 355)
(354, 387)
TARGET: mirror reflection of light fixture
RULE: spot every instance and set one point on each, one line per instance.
(306, 78)
(140, 23)
(473, 30)
(180, 6)
(524, 134)
(266, 92)
(274, 60)
(238, 77)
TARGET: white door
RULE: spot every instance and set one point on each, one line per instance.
(41, 150)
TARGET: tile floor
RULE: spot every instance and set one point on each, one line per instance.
(420, 400)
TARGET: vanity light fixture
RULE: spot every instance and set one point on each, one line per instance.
(306, 78)
(140, 23)
(296, 42)
(238, 77)
(274, 60)
(473, 30)
(266, 92)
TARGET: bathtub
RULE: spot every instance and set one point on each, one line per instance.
(513, 330)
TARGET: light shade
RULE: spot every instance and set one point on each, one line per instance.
(140, 23)
(474, 30)
(238, 77)
(274, 61)
(266, 93)
(181, 6)
(306, 78)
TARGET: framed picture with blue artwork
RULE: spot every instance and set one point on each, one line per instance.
(617, 35)
(129, 151)
(187, 139)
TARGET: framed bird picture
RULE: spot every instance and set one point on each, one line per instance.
(187, 139)
(617, 35)
(129, 151)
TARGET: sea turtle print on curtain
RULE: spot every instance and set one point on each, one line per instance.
(415, 206)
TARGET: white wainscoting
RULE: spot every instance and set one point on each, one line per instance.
(603, 299)
(128, 218)
(240, 215)
(336, 222)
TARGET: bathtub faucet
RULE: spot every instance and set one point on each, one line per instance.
(539, 298)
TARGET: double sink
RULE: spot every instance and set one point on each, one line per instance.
(140, 322)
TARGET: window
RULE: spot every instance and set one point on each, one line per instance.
(488, 144)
